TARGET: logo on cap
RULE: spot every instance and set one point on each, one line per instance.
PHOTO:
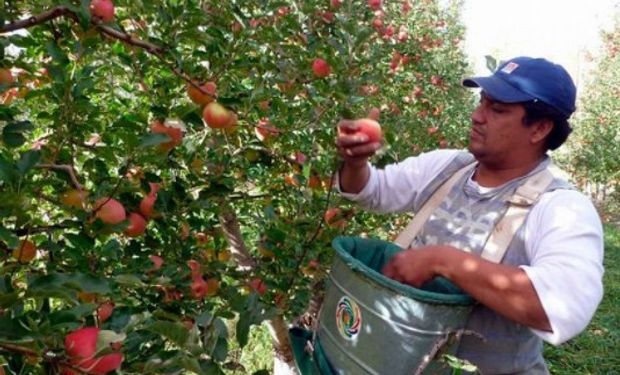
(510, 67)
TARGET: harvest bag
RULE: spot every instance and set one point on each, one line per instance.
(370, 324)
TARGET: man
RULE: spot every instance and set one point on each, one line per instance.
(548, 284)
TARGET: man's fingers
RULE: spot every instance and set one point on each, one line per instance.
(347, 127)
(361, 151)
(347, 140)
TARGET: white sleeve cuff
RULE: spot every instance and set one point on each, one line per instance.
(365, 194)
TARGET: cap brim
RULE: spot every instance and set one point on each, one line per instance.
(498, 89)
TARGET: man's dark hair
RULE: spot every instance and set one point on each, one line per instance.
(538, 110)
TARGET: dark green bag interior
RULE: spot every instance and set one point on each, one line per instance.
(368, 256)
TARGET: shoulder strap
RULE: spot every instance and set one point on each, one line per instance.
(519, 205)
(405, 238)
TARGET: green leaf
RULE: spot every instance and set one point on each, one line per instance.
(191, 364)
(65, 285)
(80, 241)
(129, 280)
(173, 331)
(13, 133)
(243, 328)
(7, 300)
(56, 53)
(12, 330)
(27, 161)
(491, 63)
(8, 237)
(83, 14)
(7, 170)
(153, 139)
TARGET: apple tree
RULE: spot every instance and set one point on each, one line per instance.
(166, 166)
(595, 150)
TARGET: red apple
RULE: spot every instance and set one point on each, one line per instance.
(334, 218)
(371, 128)
(175, 133)
(137, 225)
(82, 343)
(375, 4)
(336, 3)
(104, 311)
(25, 251)
(109, 210)
(199, 287)
(217, 116)
(103, 9)
(157, 262)
(6, 77)
(321, 68)
(199, 97)
(258, 286)
(148, 203)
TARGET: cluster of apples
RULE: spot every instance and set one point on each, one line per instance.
(110, 211)
(81, 348)
(214, 114)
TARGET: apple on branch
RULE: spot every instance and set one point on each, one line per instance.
(103, 9)
(217, 116)
(109, 210)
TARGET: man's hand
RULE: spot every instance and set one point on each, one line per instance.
(413, 266)
(353, 146)
(503, 288)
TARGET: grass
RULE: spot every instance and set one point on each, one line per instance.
(597, 350)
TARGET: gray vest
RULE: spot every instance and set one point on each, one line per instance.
(465, 220)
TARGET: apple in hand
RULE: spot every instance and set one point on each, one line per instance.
(367, 126)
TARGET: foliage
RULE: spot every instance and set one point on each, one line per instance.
(595, 149)
(582, 355)
(79, 116)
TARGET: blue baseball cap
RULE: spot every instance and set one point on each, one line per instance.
(525, 79)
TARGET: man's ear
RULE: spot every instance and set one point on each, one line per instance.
(540, 130)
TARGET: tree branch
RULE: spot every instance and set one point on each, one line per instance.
(38, 19)
(109, 31)
(65, 168)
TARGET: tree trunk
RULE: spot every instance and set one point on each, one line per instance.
(232, 231)
(284, 362)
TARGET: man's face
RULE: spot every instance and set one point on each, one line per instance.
(498, 135)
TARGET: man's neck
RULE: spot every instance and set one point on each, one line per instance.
(489, 175)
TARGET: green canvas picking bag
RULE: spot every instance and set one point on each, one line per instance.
(370, 324)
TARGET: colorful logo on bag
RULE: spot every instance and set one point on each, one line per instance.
(348, 318)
